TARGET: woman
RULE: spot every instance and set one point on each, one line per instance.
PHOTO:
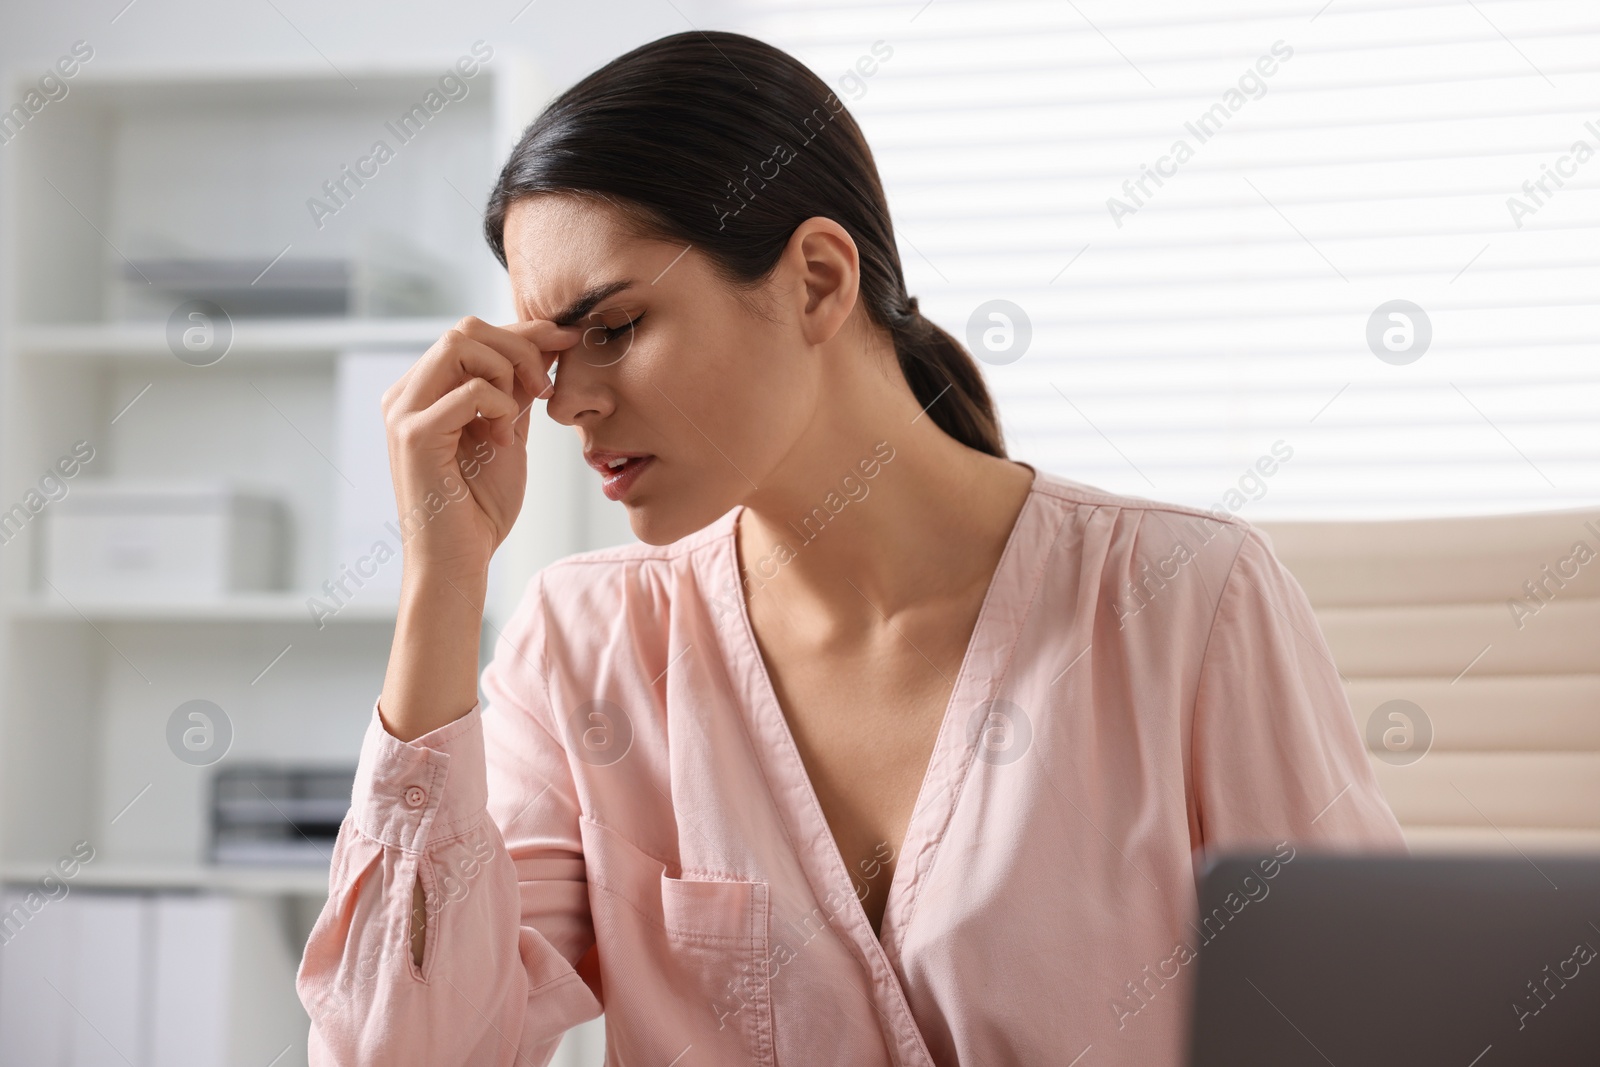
(881, 748)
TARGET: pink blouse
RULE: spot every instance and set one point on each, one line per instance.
(626, 826)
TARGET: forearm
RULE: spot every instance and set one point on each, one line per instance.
(500, 984)
(432, 676)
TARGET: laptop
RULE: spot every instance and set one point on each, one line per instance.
(1363, 961)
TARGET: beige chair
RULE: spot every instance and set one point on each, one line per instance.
(1491, 626)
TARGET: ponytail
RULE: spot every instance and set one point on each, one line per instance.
(945, 380)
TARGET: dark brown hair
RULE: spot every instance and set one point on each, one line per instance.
(724, 142)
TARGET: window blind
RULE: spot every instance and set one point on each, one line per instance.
(1350, 244)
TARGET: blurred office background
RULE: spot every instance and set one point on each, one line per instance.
(1327, 266)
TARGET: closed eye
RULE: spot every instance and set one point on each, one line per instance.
(618, 331)
(601, 347)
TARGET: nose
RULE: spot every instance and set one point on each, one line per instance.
(580, 389)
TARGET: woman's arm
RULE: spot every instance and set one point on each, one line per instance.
(425, 952)
(1276, 755)
(457, 427)
(433, 665)
(506, 919)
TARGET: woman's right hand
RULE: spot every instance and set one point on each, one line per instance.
(457, 427)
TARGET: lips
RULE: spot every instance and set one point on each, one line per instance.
(607, 462)
(616, 481)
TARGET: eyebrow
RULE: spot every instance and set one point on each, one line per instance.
(585, 303)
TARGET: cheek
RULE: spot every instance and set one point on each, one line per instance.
(737, 398)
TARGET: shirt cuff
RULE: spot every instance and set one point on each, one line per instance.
(412, 794)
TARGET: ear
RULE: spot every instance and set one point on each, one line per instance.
(822, 256)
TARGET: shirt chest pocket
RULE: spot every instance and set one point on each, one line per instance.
(684, 956)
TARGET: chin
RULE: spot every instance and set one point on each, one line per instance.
(660, 521)
(661, 524)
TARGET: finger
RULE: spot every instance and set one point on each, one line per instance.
(546, 335)
(532, 344)
(397, 388)
(455, 359)
(472, 399)
(548, 340)
(525, 393)
(525, 398)
(522, 348)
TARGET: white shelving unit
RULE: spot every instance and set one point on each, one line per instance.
(131, 166)
(310, 883)
(242, 607)
(268, 340)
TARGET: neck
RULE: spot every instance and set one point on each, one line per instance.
(876, 508)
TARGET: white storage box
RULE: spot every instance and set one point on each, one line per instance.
(160, 542)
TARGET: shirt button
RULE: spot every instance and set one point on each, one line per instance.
(416, 796)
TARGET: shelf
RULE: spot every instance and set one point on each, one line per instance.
(252, 338)
(307, 880)
(260, 607)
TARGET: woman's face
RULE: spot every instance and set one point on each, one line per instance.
(715, 393)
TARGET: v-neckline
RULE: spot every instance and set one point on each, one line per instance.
(819, 853)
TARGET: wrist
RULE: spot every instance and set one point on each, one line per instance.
(434, 581)
(432, 674)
